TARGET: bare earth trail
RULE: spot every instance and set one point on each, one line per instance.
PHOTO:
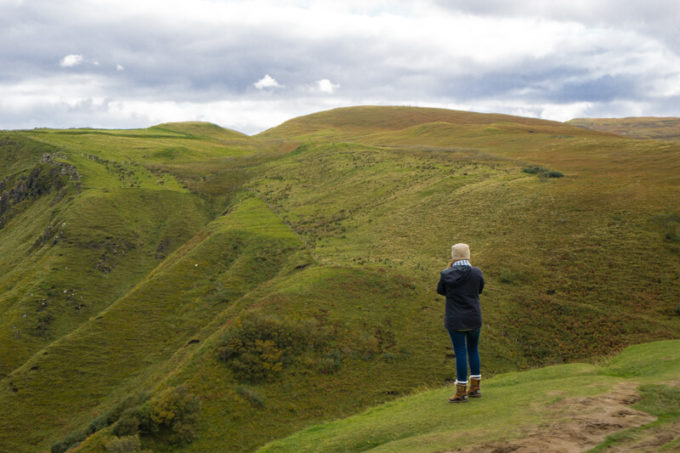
(579, 424)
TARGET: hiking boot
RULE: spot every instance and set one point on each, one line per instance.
(461, 394)
(474, 391)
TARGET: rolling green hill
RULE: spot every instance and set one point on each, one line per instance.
(281, 280)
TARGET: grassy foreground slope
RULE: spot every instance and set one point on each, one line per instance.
(286, 279)
(575, 407)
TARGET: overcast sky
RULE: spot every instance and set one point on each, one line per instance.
(250, 65)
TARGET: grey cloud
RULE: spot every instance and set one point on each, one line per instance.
(558, 84)
(657, 18)
(604, 89)
(615, 12)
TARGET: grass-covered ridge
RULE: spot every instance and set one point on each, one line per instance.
(288, 278)
(349, 122)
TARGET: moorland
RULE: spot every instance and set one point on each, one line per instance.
(186, 287)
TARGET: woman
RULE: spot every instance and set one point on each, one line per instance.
(462, 284)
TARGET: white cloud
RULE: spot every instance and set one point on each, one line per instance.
(85, 101)
(267, 82)
(326, 86)
(71, 60)
(120, 67)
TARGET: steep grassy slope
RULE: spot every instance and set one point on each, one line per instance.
(77, 258)
(72, 247)
(558, 247)
(569, 406)
(287, 278)
(639, 127)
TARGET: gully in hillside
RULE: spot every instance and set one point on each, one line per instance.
(462, 284)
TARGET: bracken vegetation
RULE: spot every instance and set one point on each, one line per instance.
(257, 348)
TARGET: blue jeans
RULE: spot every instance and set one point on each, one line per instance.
(466, 346)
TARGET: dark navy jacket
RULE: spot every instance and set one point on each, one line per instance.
(462, 286)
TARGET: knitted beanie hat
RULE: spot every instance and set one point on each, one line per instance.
(460, 252)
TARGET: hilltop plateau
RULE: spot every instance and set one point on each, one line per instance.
(190, 288)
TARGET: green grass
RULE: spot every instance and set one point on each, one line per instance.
(511, 403)
(344, 218)
(130, 339)
(660, 396)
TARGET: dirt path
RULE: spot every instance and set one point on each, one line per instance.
(579, 424)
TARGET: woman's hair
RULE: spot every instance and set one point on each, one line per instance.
(460, 252)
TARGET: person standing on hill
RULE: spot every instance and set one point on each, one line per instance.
(462, 284)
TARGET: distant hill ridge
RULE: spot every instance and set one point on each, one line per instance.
(378, 118)
(664, 128)
(199, 129)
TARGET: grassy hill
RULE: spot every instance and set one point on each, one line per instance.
(285, 279)
(355, 121)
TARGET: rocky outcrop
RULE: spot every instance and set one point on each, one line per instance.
(47, 176)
